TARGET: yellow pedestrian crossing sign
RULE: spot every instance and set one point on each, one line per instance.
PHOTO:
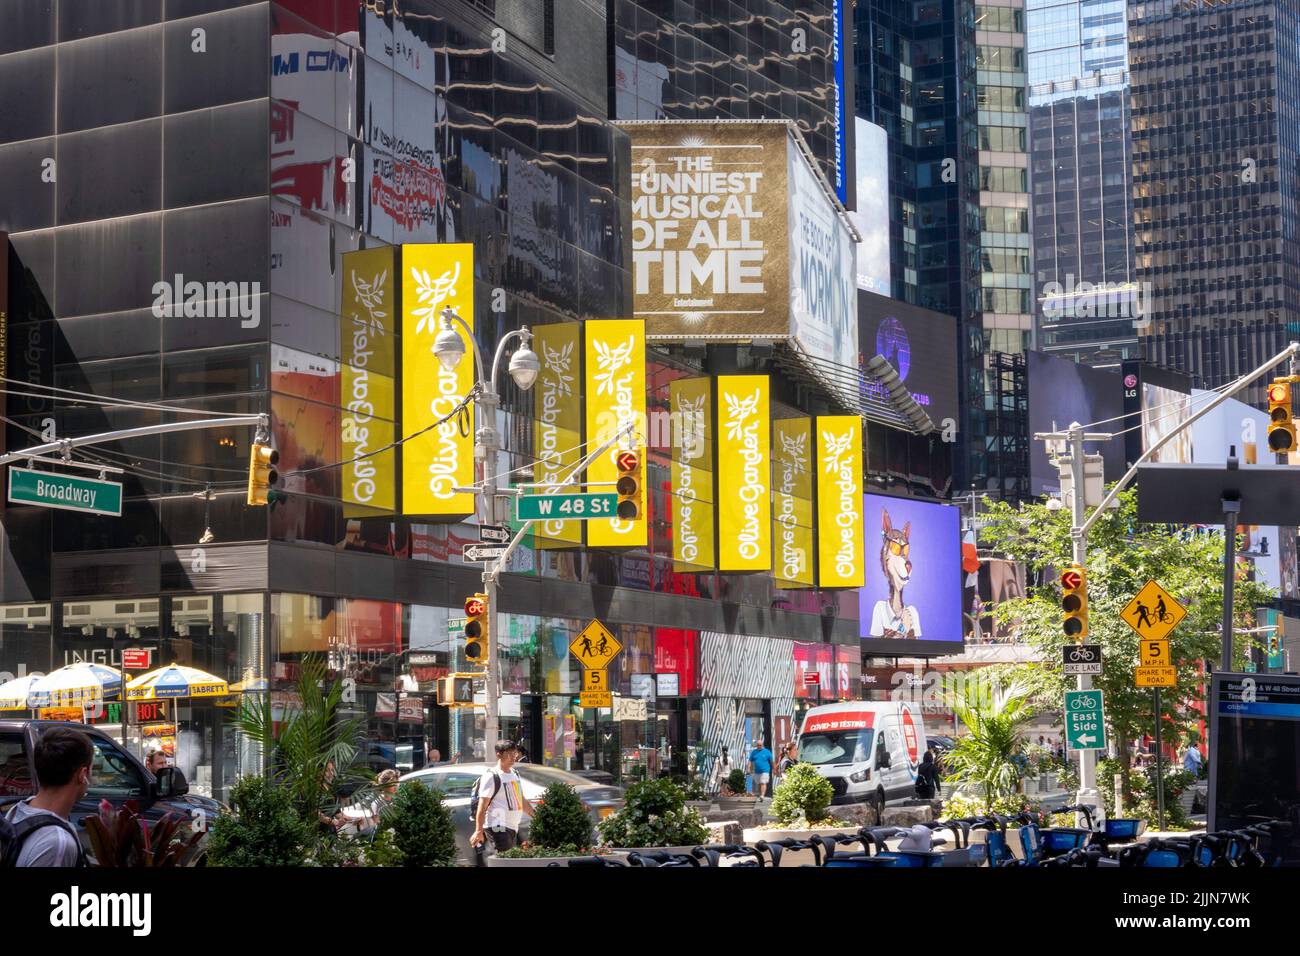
(1153, 613)
(595, 647)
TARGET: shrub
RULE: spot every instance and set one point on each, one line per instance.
(693, 787)
(120, 838)
(960, 805)
(423, 833)
(736, 781)
(654, 814)
(802, 796)
(561, 820)
(263, 829)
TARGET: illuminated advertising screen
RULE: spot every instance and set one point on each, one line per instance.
(1061, 392)
(920, 344)
(911, 602)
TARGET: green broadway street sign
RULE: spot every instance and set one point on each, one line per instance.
(68, 492)
(569, 507)
(1085, 724)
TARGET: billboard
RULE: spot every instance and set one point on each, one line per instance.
(1156, 400)
(841, 557)
(435, 463)
(1061, 392)
(744, 443)
(369, 372)
(615, 389)
(919, 343)
(871, 219)
(792, 502)
(911, 602)
(823, 269)
(840, 54)
(691, 473)
(557, 422)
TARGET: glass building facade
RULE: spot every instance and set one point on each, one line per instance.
(1087, 300)
(1215, 147)
(152, 147)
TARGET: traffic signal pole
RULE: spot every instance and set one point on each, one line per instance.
(1087, 794)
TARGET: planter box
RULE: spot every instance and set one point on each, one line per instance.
(795, 857)
(623, 851)
(535, 861)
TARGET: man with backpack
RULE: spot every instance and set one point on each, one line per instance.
(499, 803)
(38, 831)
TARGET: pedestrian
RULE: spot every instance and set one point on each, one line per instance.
(42, 832)
(432, 756)
(760, 765)
(1192, 759)
(927, 777)
(362, 817)
(156, 761)
(501, 802)
(722, 769)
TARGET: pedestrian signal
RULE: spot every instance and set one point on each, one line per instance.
(456, 690)
(1281, 430)
(628, 485)
(476, 628)
(262, 475)
(1074, 602)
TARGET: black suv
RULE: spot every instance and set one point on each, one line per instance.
(116, 776)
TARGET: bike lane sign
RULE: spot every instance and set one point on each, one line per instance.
(1081, 659)
(1153, 613)
(1085, 722)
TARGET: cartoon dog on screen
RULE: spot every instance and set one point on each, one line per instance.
(892, 616)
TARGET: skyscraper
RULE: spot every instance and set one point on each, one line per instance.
(1215, 99)
(1086, 299)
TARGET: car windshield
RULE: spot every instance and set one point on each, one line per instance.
(838, 746)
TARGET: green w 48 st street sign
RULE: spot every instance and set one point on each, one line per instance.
(577, 507)
(67, 492)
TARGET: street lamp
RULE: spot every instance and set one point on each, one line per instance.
(449, 348)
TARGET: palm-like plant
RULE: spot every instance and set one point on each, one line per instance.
(311, 748)
(990, 755)
(120, 837)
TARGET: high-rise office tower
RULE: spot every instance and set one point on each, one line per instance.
(1086, 299)
(1215, 98)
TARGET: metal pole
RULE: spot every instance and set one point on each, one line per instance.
(1079, 541)
(122, 434)
(1230, 510)
(1160, 770)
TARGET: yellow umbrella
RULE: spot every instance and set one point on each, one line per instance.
(15, 694)
(176, 680)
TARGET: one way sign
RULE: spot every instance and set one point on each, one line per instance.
(483, 552)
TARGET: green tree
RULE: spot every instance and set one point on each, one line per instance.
(423, 833)
(990, 756)
(561, 820)
(1122, 556)
(263, 829)
(312, 749)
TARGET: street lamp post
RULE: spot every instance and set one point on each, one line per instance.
(524, 367)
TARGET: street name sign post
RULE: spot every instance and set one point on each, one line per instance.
(65, 492)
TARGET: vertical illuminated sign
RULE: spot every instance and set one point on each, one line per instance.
(4, 328)
(691, 413)
(368, 374)
(615, 390)
(436, 277)
(840, 540)
(792, 502)
(557, 422)
(744, 440)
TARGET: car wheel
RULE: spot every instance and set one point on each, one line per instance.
(880, 806)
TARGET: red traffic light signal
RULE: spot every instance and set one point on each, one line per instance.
(1071, 578)
(628, 485)
(1074, 602)
(476, 628)
(626, 460)
(475, 606)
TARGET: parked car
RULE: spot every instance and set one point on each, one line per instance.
(457, 780)
(869, 751)
(116, 776)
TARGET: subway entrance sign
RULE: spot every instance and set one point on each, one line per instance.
(1085, 723)
(578, 507)
(65, 492)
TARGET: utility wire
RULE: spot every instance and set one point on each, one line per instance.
(58, 393)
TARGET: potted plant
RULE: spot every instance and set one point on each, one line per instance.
(120, 838)
(732, 795)
(421, 828)
(654, 816)
(801, 809)
(262, 829)
(560, 830)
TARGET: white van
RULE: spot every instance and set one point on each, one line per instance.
(868, 750)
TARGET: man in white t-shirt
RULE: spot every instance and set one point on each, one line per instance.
(501, 802)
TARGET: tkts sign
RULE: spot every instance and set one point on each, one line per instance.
(839, 501)
(692, 473)
(557, 423)
(744, 473)
(615, 389)
(434, 464)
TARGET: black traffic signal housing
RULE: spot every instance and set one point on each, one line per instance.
(456, 690)
(631, 503)
(476, 628)
(1074, 602)
(1281, 431)
(262, 476)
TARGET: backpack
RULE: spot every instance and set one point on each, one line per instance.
(474, 796)
(14, 835)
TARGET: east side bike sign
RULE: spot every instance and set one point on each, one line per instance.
(1085, 722)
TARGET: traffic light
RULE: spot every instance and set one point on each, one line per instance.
(476, 628)
(1281, 432)
(262, 475)
(1074, 602)
(628, 486)
(456, 690)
